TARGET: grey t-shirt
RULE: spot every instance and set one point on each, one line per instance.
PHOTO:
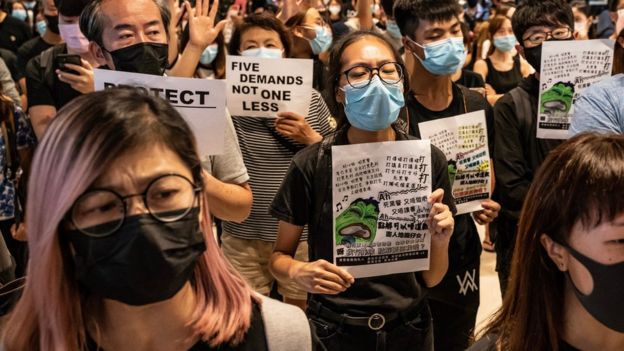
(600, 108)
(229, 166)
(8, 85)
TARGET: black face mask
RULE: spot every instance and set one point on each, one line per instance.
(52, 24)
(146, 58)
(605, 301)
(534, 55)
(144, 262)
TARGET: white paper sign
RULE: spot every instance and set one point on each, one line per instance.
(464, 141)
(200, 101)
(261, 87)
(380, 207)
(568, 68)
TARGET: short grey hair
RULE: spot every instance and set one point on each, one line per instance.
(92, 20)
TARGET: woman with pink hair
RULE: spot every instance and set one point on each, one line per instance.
(122, 251)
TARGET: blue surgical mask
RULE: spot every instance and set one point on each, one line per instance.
(41, 27)
(30, 4)
(209, 54)
(263, 53)
(393, 29)
(506, 43)
(374, 107)
(323, 40)
(19, 14)
(443, 57)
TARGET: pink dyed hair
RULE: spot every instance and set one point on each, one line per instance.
(85, 137)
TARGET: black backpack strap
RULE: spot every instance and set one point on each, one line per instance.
(322, 176)
(46, 59)
(523, 110)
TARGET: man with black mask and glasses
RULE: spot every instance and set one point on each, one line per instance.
(132, 36)
(518, 152)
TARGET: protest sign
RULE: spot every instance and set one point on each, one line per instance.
(200, 101)
(463, 140)
(261, 87)
(568, 68)
(380, 207)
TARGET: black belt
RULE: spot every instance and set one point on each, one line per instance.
(375, 321)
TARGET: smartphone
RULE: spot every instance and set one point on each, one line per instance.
(63, 59)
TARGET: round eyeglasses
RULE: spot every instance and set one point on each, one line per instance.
(361, 76)
(101, 212)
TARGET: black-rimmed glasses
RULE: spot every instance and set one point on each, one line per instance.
(558, 34)
(361, 76)
(101, 212)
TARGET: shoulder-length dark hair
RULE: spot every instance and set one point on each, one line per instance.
(580, 182)
(264, 21)
(336, 70)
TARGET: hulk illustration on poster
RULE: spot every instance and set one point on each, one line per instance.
(557, 101)
(358, 222)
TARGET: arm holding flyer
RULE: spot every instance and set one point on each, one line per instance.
(295, 126)
(323, 277)
(489, 212)
(441, 225)
(318, 277)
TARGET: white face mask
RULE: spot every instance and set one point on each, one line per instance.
(334, 9)
(74, 38)
(580, 27)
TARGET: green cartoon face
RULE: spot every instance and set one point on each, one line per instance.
(358, 223)
(558, 99)
(452, 171)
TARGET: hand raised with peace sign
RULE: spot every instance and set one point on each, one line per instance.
(201, 22)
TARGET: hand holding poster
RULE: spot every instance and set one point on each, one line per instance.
(568, 68)
(380, 207)
(463, 140)
(200, 101)
(261, 87)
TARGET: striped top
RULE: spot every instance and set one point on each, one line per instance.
(267, 159)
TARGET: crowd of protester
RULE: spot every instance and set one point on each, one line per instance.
(119, 234)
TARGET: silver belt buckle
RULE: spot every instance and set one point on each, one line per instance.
(376, 321)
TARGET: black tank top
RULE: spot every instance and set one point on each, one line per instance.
(503, 82)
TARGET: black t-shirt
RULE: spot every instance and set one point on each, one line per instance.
(300, 201)
(255, 338)
(471, 79)
(503, 82)
(13, 33)
(10, 60)
(465, 246)
(30, 49)
(44, 87)
(519, 153)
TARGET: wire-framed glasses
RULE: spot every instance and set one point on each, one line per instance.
(101, 212)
